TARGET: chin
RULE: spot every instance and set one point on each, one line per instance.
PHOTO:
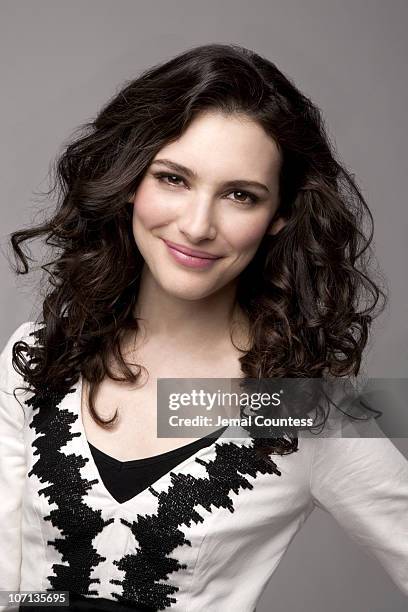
(186, 292)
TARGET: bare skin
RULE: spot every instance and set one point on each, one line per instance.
(186, 313)
(138, 405)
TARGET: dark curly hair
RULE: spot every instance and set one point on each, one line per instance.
(307, 292)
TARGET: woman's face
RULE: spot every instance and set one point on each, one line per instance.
(208, 205)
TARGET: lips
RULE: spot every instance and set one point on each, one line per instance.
(191, 252)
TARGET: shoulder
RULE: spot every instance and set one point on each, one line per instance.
(21, 332)
(8, 375)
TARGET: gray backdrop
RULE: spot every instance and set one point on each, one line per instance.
(62, 60)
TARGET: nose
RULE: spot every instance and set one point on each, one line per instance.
(196, 221)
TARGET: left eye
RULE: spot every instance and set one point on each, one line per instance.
(250, 197)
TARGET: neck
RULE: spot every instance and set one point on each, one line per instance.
(205, 321)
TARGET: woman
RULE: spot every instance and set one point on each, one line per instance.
(204, 228)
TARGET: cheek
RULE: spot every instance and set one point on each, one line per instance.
(149, 209)
(247, 236)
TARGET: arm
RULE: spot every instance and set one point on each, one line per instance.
(363, 484)
(12, 466)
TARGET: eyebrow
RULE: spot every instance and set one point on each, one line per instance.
(191, 174)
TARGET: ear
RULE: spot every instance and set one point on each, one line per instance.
(276, 225)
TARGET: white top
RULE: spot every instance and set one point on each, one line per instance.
(206, 536)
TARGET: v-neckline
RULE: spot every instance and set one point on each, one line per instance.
(119, 465)
(76, 398)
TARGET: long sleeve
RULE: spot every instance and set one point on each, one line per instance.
(12, 467)
(363, 484)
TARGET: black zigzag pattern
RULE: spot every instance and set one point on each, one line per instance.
(159, 534)
(78, 523)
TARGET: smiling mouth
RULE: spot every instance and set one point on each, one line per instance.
(190, 261)
(190, 252)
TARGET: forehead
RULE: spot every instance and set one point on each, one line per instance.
(218, 145)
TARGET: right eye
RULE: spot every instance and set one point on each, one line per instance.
(162, 176)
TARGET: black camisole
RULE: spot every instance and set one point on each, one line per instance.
(125, 479)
